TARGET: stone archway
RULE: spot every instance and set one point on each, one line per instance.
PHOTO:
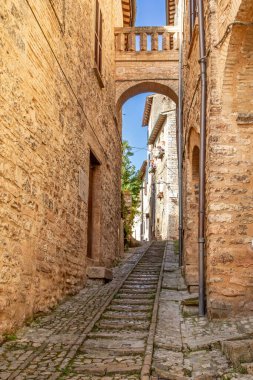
(126, 90)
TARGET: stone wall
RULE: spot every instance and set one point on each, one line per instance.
(162, 186)
(229, 166)
(53, 112)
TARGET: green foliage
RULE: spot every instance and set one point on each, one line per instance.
(10, 337)
(176, 247)
(130, 186)
(242, 370)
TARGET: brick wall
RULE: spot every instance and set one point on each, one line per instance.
(53, 111)
(229, 255)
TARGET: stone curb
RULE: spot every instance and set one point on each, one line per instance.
(147, 363)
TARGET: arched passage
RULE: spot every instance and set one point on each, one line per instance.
(127, 90)
(160, 198)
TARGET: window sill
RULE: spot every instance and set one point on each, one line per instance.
(99, 77)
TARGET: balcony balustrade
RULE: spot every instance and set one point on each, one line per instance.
(146, 39)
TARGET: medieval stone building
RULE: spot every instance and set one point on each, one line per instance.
(158, 216)
(60, 149)
(228, 55)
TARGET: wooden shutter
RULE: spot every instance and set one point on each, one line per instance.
(98, 37)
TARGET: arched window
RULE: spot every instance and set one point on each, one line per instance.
(195, 170)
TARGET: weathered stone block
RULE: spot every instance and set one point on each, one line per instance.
(238, 351)
(99, 273)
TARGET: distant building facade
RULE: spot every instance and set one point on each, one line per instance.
(159, 194)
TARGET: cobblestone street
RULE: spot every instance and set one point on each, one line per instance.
(142, 325)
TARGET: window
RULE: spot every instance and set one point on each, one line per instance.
(98, 38)
(195, 171)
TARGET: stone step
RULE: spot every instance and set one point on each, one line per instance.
(129, 308)
(143, 275)
(123, 324)
(138, 283)
(148, 271)
(152, 272)
(136, 291)
(148, 266)
(126, 315)
(143, 278)
(130, 301)
(135, 296)
(117, 334)
(140, 287)
(113, 347)
(105, 369)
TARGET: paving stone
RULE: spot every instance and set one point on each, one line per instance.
(239, 351)
(187, 346)
(65, 344)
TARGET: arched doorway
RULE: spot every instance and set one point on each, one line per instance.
(191, 211)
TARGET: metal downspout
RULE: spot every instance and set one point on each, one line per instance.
(201, 241)
(180, 132)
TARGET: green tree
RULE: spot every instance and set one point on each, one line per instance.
(130, 187)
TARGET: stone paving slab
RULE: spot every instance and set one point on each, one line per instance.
(168, 331)
(117, 345)
(189, 347)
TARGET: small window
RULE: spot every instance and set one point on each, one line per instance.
(195, 164)
(98, 38)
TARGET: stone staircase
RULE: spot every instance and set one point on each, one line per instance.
(116, 347)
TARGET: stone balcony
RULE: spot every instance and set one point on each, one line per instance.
(146, 60)
(146, 40)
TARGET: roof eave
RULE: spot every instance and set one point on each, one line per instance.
(142, 170)
(147, 110)
(157, 127)
(129, 12)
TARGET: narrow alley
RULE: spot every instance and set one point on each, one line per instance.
(126, 190)
(143, 322)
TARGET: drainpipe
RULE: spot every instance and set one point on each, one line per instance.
(201, 241)
(180, 132)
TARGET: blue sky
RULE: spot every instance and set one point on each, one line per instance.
(149, 13)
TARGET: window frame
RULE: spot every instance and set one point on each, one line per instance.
(98, 43)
